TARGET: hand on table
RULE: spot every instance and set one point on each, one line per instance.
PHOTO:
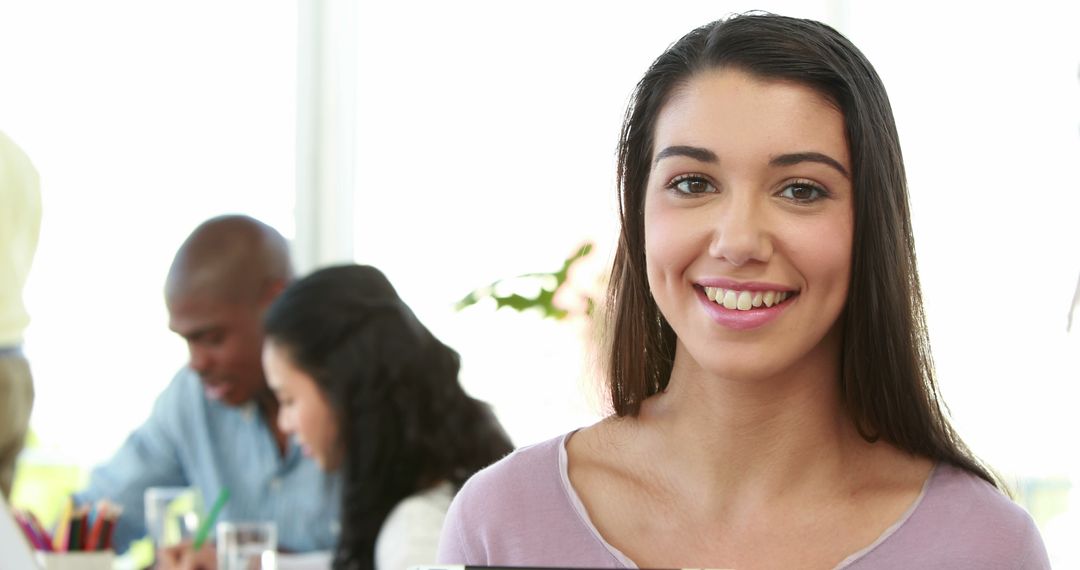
(183, 557)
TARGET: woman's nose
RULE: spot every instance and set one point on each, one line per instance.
(741, 234)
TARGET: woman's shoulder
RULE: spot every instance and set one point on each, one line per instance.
(514, 512)
(960, 496)
(963, 519)
(534, 467)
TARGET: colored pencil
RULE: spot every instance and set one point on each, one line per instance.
(46, 538)
(208, 522)
(93, 536)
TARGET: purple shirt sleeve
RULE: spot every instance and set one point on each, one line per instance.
(517, 512)
(452, 546)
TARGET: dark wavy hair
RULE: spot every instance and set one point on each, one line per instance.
(405, 423)
(887, 381)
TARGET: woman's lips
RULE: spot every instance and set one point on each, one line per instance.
(748, 310)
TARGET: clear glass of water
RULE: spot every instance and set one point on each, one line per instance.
(172, 514)
(247, 545)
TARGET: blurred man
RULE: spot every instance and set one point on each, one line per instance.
(215, 426)
(20, 223)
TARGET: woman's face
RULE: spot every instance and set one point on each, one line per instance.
(305, 411)
(748, 223)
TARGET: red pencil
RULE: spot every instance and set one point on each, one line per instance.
(93, 534)
(27, 530)
(46, 539)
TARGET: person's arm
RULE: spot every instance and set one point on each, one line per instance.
(148, 458)
(184, 557)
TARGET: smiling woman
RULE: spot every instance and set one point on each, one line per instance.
(775, 403)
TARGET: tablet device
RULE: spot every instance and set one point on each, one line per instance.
(469, 567)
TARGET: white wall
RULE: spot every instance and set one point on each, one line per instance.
(988, 107)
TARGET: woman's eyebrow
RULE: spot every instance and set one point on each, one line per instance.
(705, 155)
(694, 152)
(798, 157)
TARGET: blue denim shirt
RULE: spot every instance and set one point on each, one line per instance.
(190, 440)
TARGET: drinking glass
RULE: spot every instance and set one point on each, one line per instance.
(172, 514)
(247, 545)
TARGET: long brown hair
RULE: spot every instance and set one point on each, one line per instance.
(887, 379)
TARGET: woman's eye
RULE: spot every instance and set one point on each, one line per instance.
(692, 185)
(802, 192)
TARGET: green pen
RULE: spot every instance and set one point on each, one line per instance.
(208, 522)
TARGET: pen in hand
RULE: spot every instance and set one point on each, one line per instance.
(208, 522)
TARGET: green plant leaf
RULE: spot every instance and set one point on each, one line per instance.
(543, 301)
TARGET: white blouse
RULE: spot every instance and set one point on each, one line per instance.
(410, 534)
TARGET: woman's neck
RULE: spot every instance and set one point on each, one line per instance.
(753, 435)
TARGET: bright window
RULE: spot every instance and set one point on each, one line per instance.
(144, 119)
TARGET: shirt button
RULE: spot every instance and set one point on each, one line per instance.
(275, 484)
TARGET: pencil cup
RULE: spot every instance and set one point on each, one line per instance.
(76, 560)
(247, 546)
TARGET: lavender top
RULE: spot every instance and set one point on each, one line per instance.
(522, 511)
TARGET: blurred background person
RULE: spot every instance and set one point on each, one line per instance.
(214, 425)
(404, 434)
(20, 224)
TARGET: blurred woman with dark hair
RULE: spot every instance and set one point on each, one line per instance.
(369, 391)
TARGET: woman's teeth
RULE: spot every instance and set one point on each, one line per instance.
(745, 300)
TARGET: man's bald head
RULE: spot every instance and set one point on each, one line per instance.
(234, 259)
